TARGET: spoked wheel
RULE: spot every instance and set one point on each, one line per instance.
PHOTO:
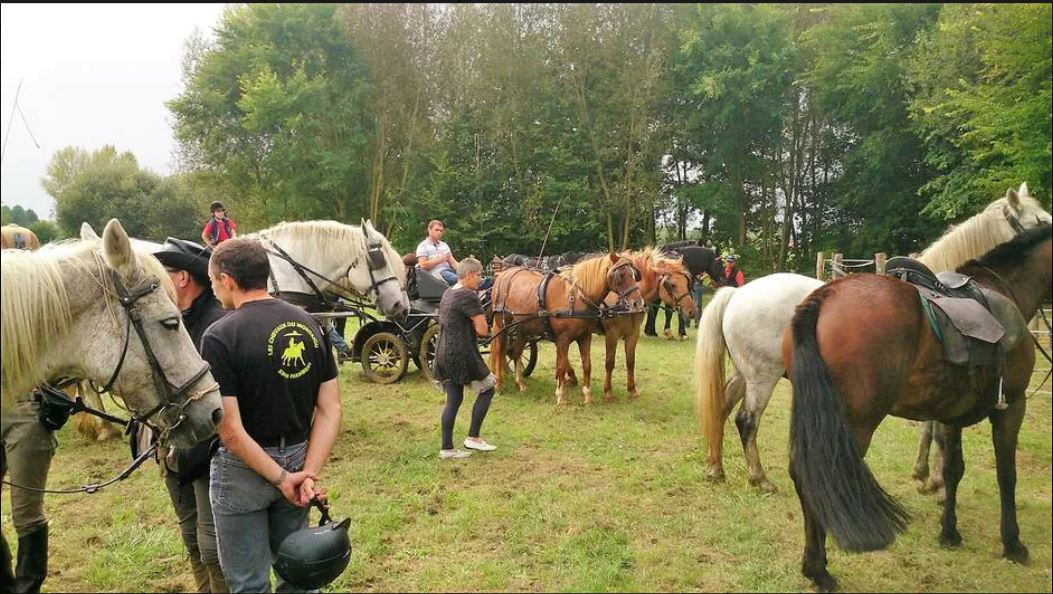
(426, 359)
(384, 358)
(531, 359)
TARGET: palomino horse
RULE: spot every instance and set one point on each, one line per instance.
(564, 307)
(57, 299)
(698, 261)
(747, 323)
(662, 280)
(845, 381)
(309, 258)
(18, 237)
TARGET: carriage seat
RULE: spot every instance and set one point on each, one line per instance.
(430, 287)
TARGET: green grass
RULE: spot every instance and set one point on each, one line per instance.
(607, 497)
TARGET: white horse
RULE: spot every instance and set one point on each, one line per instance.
(748, 324)
(352, 257)
(56, 300)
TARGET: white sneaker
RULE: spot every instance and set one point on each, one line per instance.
(455, 453)
(479, 444)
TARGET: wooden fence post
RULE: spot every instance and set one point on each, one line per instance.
(820, 267)
(879, 262)
(836, 268)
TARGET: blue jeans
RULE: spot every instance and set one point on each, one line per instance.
(449, 276)
(336, 338)
(253, 518)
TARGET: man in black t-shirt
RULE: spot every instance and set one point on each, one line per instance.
(281, 414)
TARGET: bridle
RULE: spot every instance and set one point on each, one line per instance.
(375, 261)
(173, 404)
(667, 284)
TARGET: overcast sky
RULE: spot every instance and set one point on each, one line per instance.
(93, 74)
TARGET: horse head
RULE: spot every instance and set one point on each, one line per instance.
(146, 354)
(383, 268)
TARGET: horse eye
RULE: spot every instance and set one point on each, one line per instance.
(171, 323)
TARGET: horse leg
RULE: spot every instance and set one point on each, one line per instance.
(682, 325)
(668, 321)
(953, 470)
(497, 354)
(734, 391)
(561, 369)
(758, 393)
(520, 383)
(584, 345)
(611, 340)
(921, 463)
(935, 482)
(1005, 427)
(630, 362)
(813, 562)
(652, 317)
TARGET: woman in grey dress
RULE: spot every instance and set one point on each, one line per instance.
(457, 360)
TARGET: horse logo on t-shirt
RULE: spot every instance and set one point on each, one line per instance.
(288, 337)
(293, 352)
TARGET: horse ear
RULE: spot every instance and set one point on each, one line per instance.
(1023, 191)
(1013, 199)
(86, 232)
(117, 248)
(614, 257)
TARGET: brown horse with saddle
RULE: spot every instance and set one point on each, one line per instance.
(564, 307)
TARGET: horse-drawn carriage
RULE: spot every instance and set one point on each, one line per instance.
(384, 345)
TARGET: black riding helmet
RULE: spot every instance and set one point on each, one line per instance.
(185, 255)
(313, 557)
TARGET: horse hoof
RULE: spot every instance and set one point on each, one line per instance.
(634, 395)
(766, 486)
(919, 474)
(1017, 554)
(950, 540)
(825, 582)
(608, 398)
(941, 495)
(715, 475)
(522, 387)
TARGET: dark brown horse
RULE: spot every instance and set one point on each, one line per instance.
(563, 307)
(845, 381)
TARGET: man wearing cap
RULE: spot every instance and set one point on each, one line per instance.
(220, 227)
(186, 472)
(733, 277)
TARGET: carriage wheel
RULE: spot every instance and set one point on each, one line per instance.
(426, 360)
(384, 358)
(531, 360)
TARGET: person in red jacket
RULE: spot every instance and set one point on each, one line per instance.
(733, 277)
(220, 227)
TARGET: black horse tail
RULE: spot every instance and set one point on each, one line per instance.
(825, 459)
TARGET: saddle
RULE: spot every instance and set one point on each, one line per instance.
(974, 324)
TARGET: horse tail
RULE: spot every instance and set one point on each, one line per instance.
(825, 460)
(710, 351)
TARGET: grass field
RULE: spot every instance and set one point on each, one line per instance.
(606, 497)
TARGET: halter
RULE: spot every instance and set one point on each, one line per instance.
(1014, 222)
(172, 405)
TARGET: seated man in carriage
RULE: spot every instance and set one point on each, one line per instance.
(434, 255)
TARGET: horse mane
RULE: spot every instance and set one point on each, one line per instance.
(589, 275)
(35, 302)
(1012, 250)
(348, 242)
(972, 238)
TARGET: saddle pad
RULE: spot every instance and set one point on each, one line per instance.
(970, 318)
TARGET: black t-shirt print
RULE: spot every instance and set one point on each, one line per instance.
(272, 357)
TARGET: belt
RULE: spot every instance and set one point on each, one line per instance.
(280, 441)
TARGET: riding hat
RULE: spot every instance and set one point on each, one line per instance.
(185, 255)
(313, 557)
(216, 205)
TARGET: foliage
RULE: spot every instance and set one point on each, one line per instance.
(97, 186)
(18, 215)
